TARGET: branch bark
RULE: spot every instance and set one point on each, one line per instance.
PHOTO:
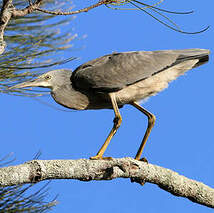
(5, 16)
(87, 170)
(29, 9)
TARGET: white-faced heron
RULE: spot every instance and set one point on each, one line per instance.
(117, 79)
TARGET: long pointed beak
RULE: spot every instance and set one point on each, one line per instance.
(33, 83)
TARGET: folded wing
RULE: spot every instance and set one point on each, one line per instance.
(115, 71)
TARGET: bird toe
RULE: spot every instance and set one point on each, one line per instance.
(98, 157)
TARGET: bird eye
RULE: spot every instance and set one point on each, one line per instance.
(47, 77)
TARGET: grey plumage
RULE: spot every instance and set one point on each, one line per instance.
(117, 79)
(118, 70)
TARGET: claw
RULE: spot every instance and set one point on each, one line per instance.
(144, 160)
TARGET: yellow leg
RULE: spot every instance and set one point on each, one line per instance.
(151, 123)
(117, 122)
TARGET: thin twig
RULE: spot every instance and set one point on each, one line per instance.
(86, 9)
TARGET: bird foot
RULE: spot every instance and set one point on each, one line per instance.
(98, 157)
(142, 159)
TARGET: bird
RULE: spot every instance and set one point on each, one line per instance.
(117, 79)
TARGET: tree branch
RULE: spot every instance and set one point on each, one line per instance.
(86, 9)
(8, 10)
(87, 170)
(5, 16)
(29, 9)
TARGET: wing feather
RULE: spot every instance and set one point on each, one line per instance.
(115, 71)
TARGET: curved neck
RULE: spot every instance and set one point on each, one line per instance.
(68, 97)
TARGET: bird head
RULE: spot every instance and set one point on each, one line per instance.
(51, 79)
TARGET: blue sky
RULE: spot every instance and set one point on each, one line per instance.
(182, 139)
